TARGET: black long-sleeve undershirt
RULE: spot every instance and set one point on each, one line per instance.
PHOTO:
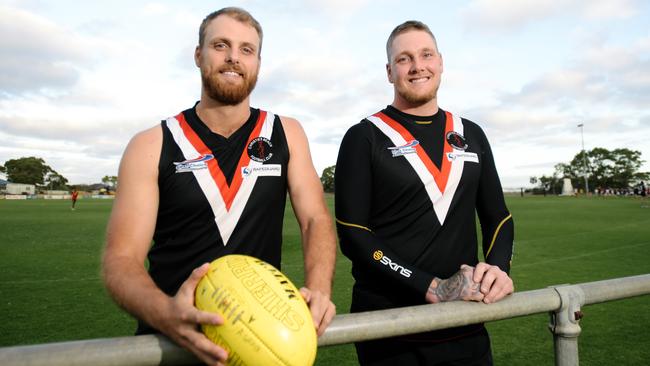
(385, 219)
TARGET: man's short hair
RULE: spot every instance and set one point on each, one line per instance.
(408, 25)
(235, 13)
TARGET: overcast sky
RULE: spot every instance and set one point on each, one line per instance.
(79, 78)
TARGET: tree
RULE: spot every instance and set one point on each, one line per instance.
(29, 170)
(111, 180)
(327, 179)
(552, 184)
(618, 168)
(55, 181)
(2, 169)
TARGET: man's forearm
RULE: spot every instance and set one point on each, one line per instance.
(319, 254)
(132, 289)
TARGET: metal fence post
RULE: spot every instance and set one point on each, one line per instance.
(565, 325)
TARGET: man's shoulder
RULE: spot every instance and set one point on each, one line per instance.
(146, 141)
(291, 127)
(152, 132)
(362, 130)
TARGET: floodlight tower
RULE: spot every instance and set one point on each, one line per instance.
(584, 157)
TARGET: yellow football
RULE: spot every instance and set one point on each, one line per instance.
(266, 320)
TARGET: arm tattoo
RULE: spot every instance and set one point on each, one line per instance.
(459, 286)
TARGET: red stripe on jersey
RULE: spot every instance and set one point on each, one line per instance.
(441, 176)
(244, 160)
(228, 193)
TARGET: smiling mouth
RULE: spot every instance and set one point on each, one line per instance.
(419, 80)
(231, 73)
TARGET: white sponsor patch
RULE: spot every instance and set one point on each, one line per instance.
(408, 148)
(463, 156)
(193, 164)
(268, 170)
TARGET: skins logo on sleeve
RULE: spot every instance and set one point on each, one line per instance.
(378, 255)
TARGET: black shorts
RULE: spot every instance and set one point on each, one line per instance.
(471, 350)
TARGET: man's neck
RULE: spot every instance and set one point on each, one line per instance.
(223, 119)
(427, 109)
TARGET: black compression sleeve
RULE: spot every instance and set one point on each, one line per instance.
(496, 222)
(353, 200)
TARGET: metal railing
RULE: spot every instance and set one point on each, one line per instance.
(564, 303)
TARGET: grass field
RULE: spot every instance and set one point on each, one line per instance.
(50, 289)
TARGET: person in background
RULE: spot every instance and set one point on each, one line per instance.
(73, 197)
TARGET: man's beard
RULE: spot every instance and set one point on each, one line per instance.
(417, 98)
(225, 92)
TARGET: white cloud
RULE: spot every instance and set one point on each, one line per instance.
(156, 9)
(49, 51)
(493, 16)
(503, 15)
(339, 9)
(607, 9)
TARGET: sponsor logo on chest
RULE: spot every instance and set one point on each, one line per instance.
(268, 170)
(408, 148)
(463, 156)
(193, 164)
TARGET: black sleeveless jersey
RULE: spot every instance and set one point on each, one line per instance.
(218, 195)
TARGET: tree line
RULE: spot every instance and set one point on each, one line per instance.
(604, 169)
(33, 170)
(614, 169)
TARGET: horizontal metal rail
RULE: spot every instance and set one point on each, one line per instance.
(158, 350)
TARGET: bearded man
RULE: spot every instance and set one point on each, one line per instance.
(209, 182)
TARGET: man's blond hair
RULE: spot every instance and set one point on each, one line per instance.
(409, 25)
(236, 13)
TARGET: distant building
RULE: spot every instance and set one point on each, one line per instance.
(20, 188)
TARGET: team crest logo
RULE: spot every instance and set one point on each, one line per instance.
(409, 148)
(193, 164)
(259, 149)
(456, 140)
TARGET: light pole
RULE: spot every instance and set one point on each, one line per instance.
(584, 157)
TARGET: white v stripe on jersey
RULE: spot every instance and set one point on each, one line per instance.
(441, 200)
(225, 217)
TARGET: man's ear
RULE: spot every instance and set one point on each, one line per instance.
(197, 56)
(389, 73)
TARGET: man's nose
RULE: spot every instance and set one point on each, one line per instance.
(232, 56)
